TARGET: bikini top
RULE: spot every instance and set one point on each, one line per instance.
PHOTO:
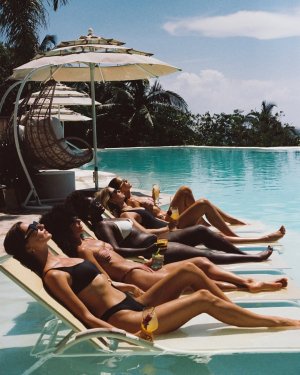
(82, 274)
(148, 220)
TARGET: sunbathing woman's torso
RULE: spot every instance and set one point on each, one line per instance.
(85, 281)
(114, 264)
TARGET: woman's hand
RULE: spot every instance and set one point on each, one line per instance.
(130, 288)
(172, 225)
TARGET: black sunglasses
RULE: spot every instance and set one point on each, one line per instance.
(33, 227)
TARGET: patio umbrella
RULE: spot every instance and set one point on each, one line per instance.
(87, 59)
(63, 95)
(63, 114)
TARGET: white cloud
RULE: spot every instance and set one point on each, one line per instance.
(252, 24)
(212, 91)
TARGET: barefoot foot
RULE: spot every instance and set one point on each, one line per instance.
(276, 235)
(264, 255)
(259, 286)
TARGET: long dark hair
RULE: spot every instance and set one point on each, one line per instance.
(15, 245)
(78, 203)
(58, 222)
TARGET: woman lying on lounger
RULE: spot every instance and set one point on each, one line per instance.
(87, 293)
(114, 201)
(68, 233)
(191, 211)
(128, 241)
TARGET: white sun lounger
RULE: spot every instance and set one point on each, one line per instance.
(51, 343)
(202, 335)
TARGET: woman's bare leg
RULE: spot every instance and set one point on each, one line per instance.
(178, 280)
(184, 198)
(200, 208)
(173, 314)
(236, 282)
(272, 237)
(177, 252)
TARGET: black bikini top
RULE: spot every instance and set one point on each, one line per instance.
(82, 274)
(148, 220)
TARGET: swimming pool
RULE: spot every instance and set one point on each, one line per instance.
(255, 184)
(258, 184)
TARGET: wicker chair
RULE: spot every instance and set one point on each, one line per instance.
(44, 142)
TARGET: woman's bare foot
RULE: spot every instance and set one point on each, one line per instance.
(254, 286)
(264, 255)
(275, 236)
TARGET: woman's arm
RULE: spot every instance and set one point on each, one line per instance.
(60, 289)
(131, 288)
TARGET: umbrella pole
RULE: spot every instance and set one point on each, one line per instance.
(92, 75)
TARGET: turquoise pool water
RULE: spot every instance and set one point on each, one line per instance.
(254, 184)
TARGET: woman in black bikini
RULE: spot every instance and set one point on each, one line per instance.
(87, 293)
(181, 244)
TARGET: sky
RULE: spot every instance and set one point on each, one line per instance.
(233, 54)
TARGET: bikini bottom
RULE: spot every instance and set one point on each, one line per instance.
(128, 303)
(136, 267)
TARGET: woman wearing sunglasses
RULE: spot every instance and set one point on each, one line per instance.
(87, 293)
(67, 231)
(181, 245)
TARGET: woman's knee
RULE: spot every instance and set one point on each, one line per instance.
(203, 202)
(205, 296)
(203, 263)
(191, 268)
(185, 190)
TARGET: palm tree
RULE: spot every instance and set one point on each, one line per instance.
(145, 99)
(19, 25)
(263, 123)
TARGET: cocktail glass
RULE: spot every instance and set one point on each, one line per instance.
(149, 322)
(174, 213)
(155, 193)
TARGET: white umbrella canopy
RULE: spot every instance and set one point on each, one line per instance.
(108, 67)
(62, 113)
(62, 95)
(91, 58)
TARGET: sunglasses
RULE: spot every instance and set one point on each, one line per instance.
(33, 227)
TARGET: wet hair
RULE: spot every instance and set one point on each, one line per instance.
(103, 197)
(15, 245)
(79, 203)
(115, 183)
(58, 222)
